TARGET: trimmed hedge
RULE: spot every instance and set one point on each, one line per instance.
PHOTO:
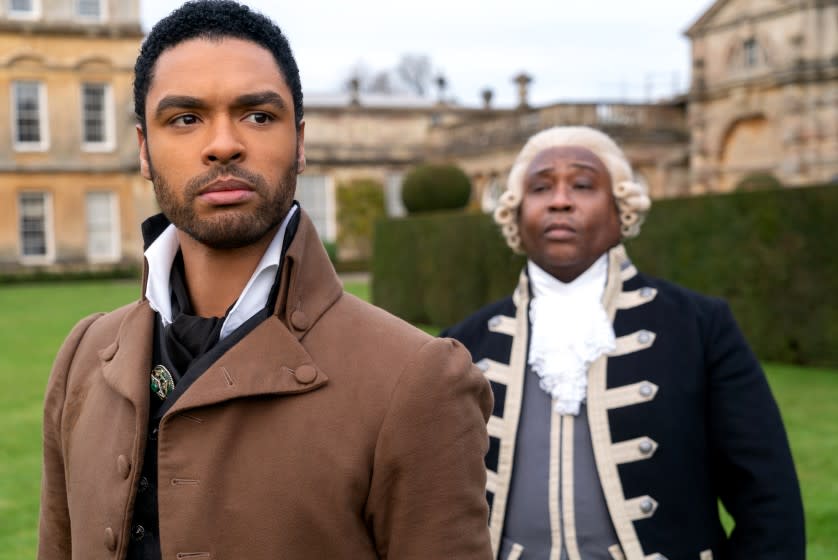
(773, 255)
(126, 271)
(434, 187)
(437, 268)
(758, 181)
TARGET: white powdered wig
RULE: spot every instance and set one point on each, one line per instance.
(631, 197)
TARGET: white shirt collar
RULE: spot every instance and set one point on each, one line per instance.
(161, 254)
(570, 330)
(588, 285)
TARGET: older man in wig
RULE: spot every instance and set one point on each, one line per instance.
(626, 407)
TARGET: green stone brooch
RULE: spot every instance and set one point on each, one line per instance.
(161, 382)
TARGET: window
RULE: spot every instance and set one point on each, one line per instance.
(29, 122)
(90, 9)
(35, 217)
(102, 227)
(750, 53)
(24, 8)
(491, 193)
(97, 121)
(393, 196)
(316, 195)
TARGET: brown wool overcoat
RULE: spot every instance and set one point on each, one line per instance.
(332, 430)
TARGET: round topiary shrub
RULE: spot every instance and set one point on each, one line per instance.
(758, 182)
(432, 187)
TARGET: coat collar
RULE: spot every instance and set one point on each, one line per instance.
(269, 360)
(308, 284)
(126, 362)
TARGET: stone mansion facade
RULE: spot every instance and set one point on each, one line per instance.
(763, 100)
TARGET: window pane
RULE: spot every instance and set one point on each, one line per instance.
(27, 112)
(312, 195)
(491, 194)
(22, 6)
(33, 235)
(751, 52)
(89, 8)
(93, 100)
(101, 226)
(395, 206)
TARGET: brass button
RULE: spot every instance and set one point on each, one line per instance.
(305, 374)
(123, 466)
(300, 320)
(110, 539)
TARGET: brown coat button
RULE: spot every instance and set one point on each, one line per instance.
(110, 539)
(123, 466)
(300, 320)
(305, 374)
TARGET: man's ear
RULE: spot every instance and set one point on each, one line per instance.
(301, 148)
(145, 164)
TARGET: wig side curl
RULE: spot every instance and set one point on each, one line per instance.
(631, 197)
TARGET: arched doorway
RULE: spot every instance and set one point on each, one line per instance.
(750, 145)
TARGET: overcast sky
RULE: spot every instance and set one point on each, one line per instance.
(575, 51)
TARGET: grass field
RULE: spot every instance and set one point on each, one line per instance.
(36, 317)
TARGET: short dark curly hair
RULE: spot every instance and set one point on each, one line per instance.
(214, 20)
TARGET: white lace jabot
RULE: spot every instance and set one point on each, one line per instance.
(570, 330)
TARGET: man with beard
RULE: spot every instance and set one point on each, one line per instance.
(245, 406)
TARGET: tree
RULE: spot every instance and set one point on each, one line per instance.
(380, 83)
(360, 204)
(369, 81)
(415, 71)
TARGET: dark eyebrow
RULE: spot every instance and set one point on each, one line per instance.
(178, 102)
(260, 98)
(245, 100)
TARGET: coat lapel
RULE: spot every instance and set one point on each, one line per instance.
(126, 362)
(268, 361)
(309, 285)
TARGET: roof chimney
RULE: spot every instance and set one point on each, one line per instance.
(523, 80)
(487, 95)
(354, 91)
(441, 85)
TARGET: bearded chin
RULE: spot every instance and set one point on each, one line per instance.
(230, 228)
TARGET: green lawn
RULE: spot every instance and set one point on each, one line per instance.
(36, 317)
